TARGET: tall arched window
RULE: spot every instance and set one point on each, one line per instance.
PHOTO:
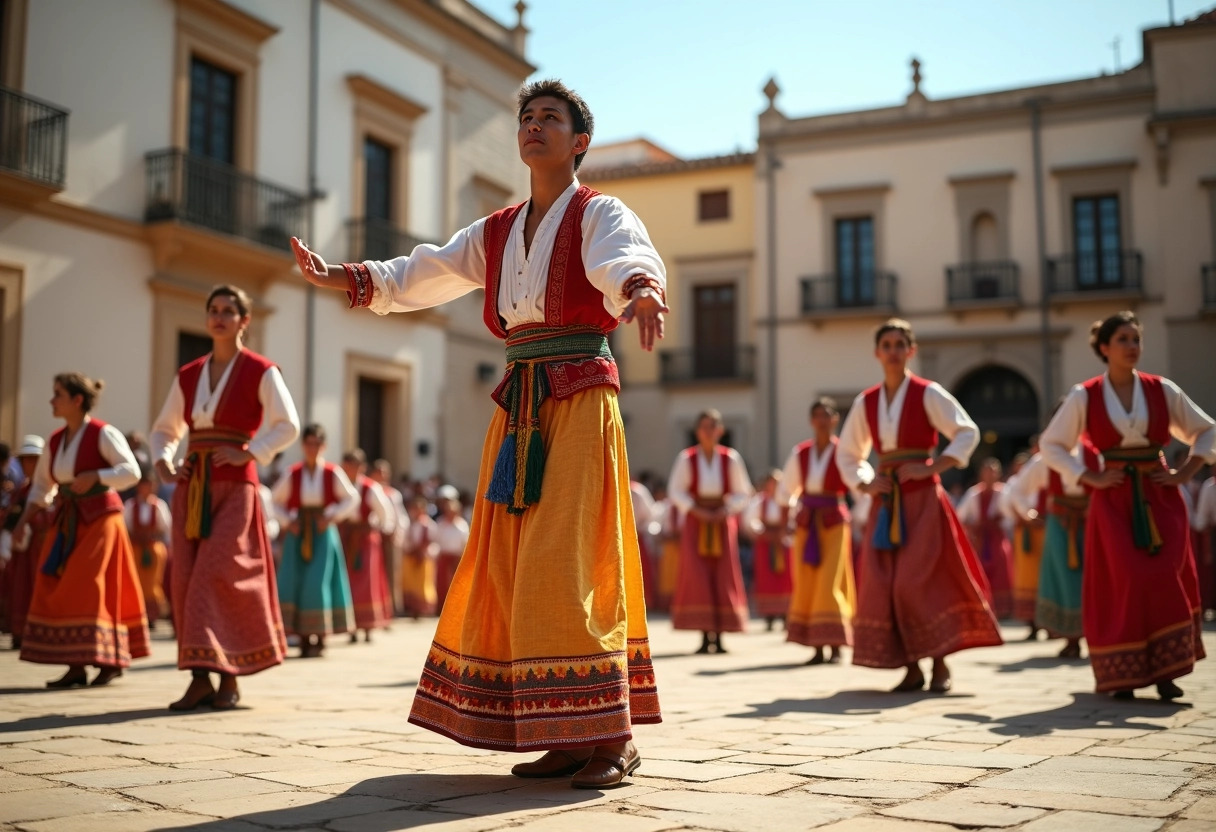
(985, 244)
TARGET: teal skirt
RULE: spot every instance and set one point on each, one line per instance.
(1059, 606)
(315, 594)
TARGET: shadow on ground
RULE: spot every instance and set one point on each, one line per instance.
(406, 801)
(57, 721)
(1087, 710)
(850, 702)
(1035, 663)
(759, 668)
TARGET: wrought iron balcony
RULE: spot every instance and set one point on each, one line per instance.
(371, 239)
(983, 284)
(1209, 287)
(1116, 271)
(709, 363)
(216, 196)
(33, 138)
(835, 293)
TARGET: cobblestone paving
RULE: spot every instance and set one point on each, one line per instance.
(752, 740)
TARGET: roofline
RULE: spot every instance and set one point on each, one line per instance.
(630, 171)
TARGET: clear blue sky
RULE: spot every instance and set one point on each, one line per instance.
(687, 74)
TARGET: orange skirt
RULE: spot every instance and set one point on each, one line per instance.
(94, 612)
(152, 559)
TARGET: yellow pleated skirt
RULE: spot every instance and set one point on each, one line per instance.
(542, 641)
(825, 596)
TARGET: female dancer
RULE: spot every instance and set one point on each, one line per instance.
(983, 513)
(87, 608)
(825, 594)
(363, 535)
(923, 593)
(23, 565)
(225, 608)
(1140, 596)
(314, 589)
(710, 485)
(766, 519)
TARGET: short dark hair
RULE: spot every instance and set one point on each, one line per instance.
(239, 297)
(1102, 331)
(313, 431)
(355, 455)
(827, 403)
(713, 414)
(78, 384)
(580, 114)
(895, 325)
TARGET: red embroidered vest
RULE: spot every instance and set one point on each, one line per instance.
(1102, 431)
(833, 483)
(328, 486)
(570, 298)
(89, 458)
(695, 486)
(915, 431)
(239, 410)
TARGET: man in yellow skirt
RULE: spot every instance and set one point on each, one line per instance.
(542, 641)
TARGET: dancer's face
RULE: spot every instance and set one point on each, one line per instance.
(1123, 351)
(224, 319)
(824, 421)
(546, 133)
(893, 350)
(312, 447)
(709, 431)
(63, 404)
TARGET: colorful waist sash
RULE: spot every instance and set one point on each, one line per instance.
(307, 517)
(198, 489)
(890, 529)
(72, 509)
(1136, 462)
(816, 512)
(711, 537)
(541, 362)
(1071, 510)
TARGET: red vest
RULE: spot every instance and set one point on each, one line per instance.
(833, 483)
(694, 485)
(570, 298)
(328, 486)
(914, 428)
(1102, 431)
(239, 409)
(89, 458)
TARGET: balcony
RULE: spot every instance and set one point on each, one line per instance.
(33, 145)
(983, 285)
(1077, 278)
(1209, 288)
(863, 295)
(694, 365)
(371, 239)
(215, 196)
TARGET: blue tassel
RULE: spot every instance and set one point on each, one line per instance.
(882, 529)
(534, 470)
(502, 483)
(55, 560)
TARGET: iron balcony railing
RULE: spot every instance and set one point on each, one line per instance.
(836, 292)
(728, 362)
(371, 239)
(980, 282)
(33, 138)
(1209, 287)
(215, 195)
(1112, 271)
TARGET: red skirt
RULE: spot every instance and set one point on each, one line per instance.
(995, 554)
(709, 595)
(927, 598)
(225, 602)
(21, 573)
(772, 578)
(1140, 611)
(364, 550)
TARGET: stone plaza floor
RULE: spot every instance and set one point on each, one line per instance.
(751, 740)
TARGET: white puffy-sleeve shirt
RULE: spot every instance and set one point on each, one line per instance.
(969, 506)
(1188, 424)
(451, 535)
(945, 414)
(709, 481)
(280, 423)
(792, 484)
(312, 494)
(762, 513)
(137, 512)
(122, 473)
(615, 248)
(268, 512)
(643, 506)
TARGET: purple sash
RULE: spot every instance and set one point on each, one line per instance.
(819, 511)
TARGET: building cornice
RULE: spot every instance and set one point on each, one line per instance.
(662, 168)
(1078, 168)
(990, 176)
(230, 17)
(829, 191)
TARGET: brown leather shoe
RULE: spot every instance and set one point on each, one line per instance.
(75, 677)
(104, 676)
(556, 763)
(605, 770)
(200, 692)
(910, 683)
(225, 700)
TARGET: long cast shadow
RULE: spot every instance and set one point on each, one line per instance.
(55, 721)
(1036, 663)
(409, 801)
(843, 702)
(759, 668)
(1087, 710)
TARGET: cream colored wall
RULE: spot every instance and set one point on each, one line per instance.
(1184, 68)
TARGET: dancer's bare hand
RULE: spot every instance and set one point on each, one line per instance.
(1163, 476)
(1109, 478)
(647, 308)
(881, 484)
(315, 269)
(912, 471)
(84, 481)
(229, 455)
(165, 471)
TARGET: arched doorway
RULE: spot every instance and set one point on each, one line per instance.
(1006, 408)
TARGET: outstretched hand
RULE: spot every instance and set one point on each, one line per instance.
(647, 308)
(315, 269)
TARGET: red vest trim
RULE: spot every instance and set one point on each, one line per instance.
(724, 459)
(1102, 431)
(570, 298)
(239, 409)
(328, 487)
(915, 431)
(88, 458)
(833, 483)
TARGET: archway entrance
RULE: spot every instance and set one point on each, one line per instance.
(1006, 408)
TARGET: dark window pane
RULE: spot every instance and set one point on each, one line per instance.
(378, 178)
(713, 205)
(191, 346)
(212, 111)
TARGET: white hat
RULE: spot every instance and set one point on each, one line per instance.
(31, 445)
(447, 492)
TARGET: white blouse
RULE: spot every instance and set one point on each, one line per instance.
(155, 513)
(969, 506)
(424, 525)
(945, 414)
(268, 513)
(451, 535)
(1035, 476)
(1188, 424)
(615, 248)
(312, 494)
(757, 517)
(643, 506)
(50, 474)
(792, 485)
(709, 481)
(280, 423)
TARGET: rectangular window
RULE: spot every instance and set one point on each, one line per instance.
(855, 261)
(713, 205)
(1097, 242)
(714, 331)
(372, 400)
(191, 346)
(212, 111)
(377, 180)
